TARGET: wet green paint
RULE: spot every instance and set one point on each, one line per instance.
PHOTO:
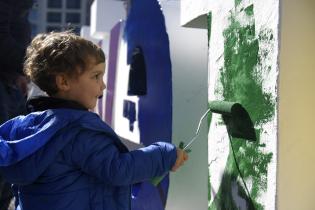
(249, 10)
(237, 2)
(241, 81)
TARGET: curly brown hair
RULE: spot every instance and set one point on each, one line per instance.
(59, 52)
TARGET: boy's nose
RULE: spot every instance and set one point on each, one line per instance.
(103, 85)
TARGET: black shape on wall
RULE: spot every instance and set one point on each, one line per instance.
(129, 112)
(137, 84)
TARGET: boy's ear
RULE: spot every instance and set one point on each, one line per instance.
(62, 82)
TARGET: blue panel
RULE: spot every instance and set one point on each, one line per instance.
(145, 27)
(129, 112)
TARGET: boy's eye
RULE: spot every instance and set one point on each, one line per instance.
(97, 76)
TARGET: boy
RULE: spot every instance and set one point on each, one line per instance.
(61, 156)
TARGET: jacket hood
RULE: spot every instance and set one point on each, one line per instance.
(24, 135)
(26, 148)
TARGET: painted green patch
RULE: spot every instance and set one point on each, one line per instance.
(209, 187)
(249, 10)
(241, 82)
(237, 2)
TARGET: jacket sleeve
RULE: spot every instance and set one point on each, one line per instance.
(97, 155)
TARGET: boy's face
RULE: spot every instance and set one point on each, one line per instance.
(86, 88)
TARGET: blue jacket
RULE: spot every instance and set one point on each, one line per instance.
(70, 159)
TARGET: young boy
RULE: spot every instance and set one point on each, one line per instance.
(61, 155)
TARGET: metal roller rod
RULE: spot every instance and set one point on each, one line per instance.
(198, 129)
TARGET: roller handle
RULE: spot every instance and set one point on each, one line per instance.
(156, 180)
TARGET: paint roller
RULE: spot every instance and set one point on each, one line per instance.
(236, 119)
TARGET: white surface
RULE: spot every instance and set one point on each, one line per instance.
(85, 32)
(120, 123)
(188, 47)
(192, 9)
(266, 17)
(104, 15)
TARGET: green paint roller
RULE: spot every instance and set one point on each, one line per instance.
(236, 119)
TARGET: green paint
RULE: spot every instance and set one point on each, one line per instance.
(241, 82)
(249, 10)
(237, 2)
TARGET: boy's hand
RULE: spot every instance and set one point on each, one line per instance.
(182, 157)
